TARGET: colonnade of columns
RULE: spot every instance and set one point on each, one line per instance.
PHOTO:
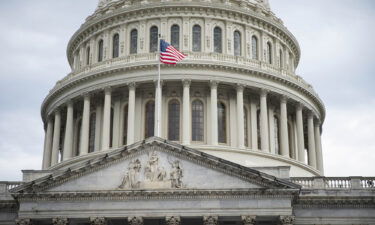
(169, 220)
(265, 128)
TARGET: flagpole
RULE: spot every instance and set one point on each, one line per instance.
(158, 96)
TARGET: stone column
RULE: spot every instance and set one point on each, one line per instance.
(186, 130)
(23, 222)
(48, 145)
(287, 220)
(284, 136)
(271, 125)
(98, 126)
(173, 220)
(106, 119)
(131, 113)
(318, 146)
(158, 109)
(98, 221)
(60, 221)
(68, 141)
(240, 117)
(135, 220)
(254, 125)
(210, 220)
(264, 137)
(300, 136)
(214, 121)
(248, 220)
(116, 122)
(311, 140)
(85, 128)
(56, 138)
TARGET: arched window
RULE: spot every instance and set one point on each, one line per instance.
(197, 122)
(100, 50)
(175, 36)
(88, 55)
(246, 132)
(281, 61)
(116, 46)
(125, 127)
(153, 39)
(237, 43)
(276, 133)
(269, 53)
(218, 40)
(197, 38)
(174, 120)
(133, 41)
(222, 122)
(254, 47)
(150, 119)
(92, 132)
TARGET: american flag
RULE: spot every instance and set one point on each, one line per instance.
(169, 54)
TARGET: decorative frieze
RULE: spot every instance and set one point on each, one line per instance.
(287, 220)
(248, 220)
(98, 221)
(135, 220)
(173, 220)
(210, 220)
(23, 222)
(60, 221)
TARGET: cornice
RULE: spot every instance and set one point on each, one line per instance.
(335, 202)
(146, 65)
(99, 22)
(159, 195)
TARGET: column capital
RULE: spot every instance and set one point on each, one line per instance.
(186, 82)
(210, 220)
(248, 220)
(60, 221)
(173, 220)
(284, 99)
(69, 102)
(263, 92)
(86, 95)
(299, 106)
(161, 82)
(57, 111)
(240, 87)
(98, 221)
(135, 220)
(23, 222)
(214, 83)
(287, 220)
(132, 85)
(310, 115)
(107, 90)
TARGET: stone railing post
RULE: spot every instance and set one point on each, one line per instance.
(60, 221)
(318, 183)
(98, 221)
(173, 220)
(287, 220)
(210, 220)
(248, 220)
(135, 220)
(355, 182)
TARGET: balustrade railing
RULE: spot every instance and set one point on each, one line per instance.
(5, 186)
(335, 182)
(192, 56)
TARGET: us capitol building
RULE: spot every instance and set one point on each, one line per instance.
(239, 141)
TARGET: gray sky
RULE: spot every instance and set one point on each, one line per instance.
(336, 38)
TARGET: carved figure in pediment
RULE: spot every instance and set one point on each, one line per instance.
(176, 174)
(153, 172)
(131, 178)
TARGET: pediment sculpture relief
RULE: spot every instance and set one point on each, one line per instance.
(152, 175)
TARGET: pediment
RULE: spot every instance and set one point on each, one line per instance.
(155, 164)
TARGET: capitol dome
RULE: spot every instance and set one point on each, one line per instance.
(236, 96)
